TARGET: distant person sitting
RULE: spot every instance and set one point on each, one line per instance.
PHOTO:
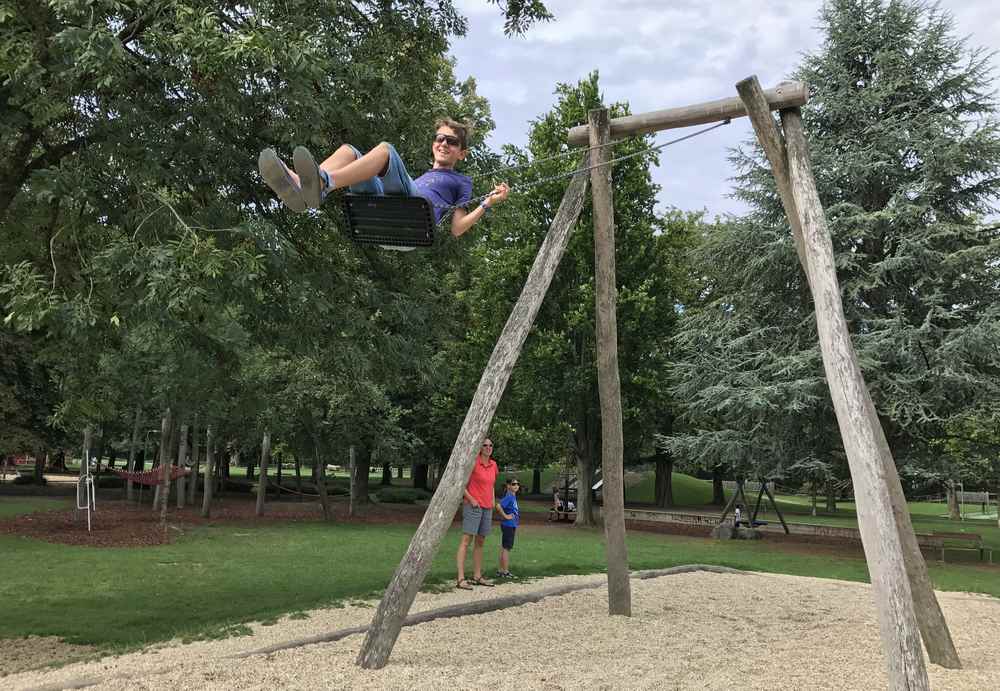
(738, 516)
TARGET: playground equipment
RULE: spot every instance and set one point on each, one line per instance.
(763, 487)
(907, 607)
(86, 498)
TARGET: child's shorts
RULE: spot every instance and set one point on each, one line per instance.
(507, 538)
(395, 181)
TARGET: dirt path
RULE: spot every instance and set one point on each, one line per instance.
(694, 630)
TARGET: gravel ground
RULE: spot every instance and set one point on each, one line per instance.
(694, 630)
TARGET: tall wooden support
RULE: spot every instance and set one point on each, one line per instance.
(863, 439)
(409, 576)
(265, 459)
(864, 423)
(608, 381)
(930, 619)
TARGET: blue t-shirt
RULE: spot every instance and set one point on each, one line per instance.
(443, 188)
(509, 506)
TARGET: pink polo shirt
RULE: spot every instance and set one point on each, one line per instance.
(482, 481)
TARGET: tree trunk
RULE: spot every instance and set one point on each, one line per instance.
(182, 451)
(206, 498)
(277, 480)
(298, 477)
(419, 473)
(718, 491)
(399, 473)
(87, 440)
(831, 496)
(409, 575)
(265, 457)
(386, 474)
(536, 480)
(954, 514)
(319, 473)
(360, 468)
(584, 452)
(166, 430)
(664, 482)
(133, 446)
(196, 461)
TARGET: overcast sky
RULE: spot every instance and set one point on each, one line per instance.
(656, 54)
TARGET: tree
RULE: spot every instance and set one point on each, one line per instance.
(906, 151)
(555, 381)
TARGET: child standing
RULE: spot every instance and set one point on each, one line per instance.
(511, 515)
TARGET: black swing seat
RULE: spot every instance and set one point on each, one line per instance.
(392, 222)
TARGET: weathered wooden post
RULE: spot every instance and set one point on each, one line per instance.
(933, 627)
(855, 414)
(608, 378)
(399, 595)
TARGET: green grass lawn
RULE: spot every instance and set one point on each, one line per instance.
(216, 578)
(14, 506)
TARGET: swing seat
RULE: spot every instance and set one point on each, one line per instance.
(393, 222)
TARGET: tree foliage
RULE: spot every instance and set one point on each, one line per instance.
(906, 153)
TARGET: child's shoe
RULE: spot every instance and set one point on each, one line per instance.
(276, 175)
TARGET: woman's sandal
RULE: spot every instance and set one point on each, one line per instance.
(483, 582)
(463, 585)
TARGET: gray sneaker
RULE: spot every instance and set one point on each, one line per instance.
(312, 178)
(275, 174)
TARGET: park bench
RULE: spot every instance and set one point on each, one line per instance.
(961, 541)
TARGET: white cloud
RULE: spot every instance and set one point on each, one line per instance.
(657, 55)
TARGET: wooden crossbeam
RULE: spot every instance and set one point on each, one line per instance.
(785, 95)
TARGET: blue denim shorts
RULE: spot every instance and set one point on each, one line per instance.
(395, 181)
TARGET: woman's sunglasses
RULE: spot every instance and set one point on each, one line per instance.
(446, 139)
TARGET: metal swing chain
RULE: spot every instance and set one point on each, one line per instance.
(541, 181)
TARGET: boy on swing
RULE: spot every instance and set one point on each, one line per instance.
(381, 171)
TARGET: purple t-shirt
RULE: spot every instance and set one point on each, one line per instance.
(443, 188)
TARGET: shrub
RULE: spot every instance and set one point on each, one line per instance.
(28, 480)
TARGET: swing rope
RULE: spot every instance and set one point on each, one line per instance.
(448, 210)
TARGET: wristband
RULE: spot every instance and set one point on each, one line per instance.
(485, 207)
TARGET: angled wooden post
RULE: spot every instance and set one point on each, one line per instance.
(412, 569)
(933, 627)
(930, 619)
(863, 439)
(608, 378)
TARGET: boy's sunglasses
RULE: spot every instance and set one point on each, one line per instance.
(446, 138)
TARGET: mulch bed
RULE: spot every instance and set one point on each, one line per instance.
(117, 523)
(120, 524)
